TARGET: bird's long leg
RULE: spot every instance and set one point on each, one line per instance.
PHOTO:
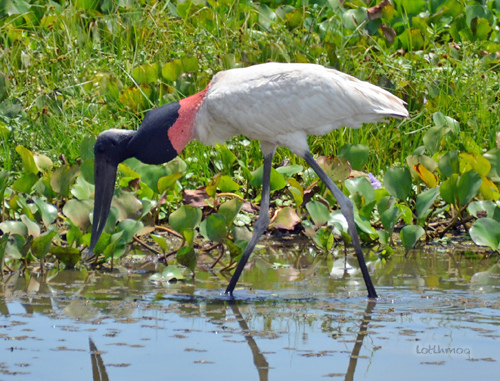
(348, 212)
(261, 224)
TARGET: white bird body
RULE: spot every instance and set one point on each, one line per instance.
(281, 104)
(276, 103)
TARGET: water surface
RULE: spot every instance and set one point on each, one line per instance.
(294, 317)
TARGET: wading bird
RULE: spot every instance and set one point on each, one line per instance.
(279, 104)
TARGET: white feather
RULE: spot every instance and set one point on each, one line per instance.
(280, 104)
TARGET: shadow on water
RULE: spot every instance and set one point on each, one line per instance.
(438, 316)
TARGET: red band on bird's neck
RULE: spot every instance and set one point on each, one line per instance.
(181, 132)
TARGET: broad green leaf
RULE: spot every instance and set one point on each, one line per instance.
(486, 232)
(383, 237)
(286, 218)
(43, 188)
(87, 147)
(172, 273)
(449, 163)
(14, 227)
(189, 64)
(116, 246)
(33, 227)
(129, 228)
(410, 235)
(352, 18)
(127, 204)
(74, 235)
(87, 169)
(185, 218)
(337, 168)
(397, 181)
(432, 138)
(214, 227)
(102, 243)
(147, 207)
(168, 182)
(449, 190)
(367, 210)
(171, 70)
(17, 246)
(227, 156)
(356, 154)
(187, 257)
(362, 186)
(235, 248)
(82, 189)
(493, 157)
(79, 212)
(266, 16)
(230, 209)
(474, 162)
(226, 184)
(445, 121)
(151, 174)
(147, 73)
(324, 238)
(478, 11)
(405, 213)
(3, 245)
(25, 183)
(483, 208)
(290, 170)
(389, 218)
(424, 202)
(62, 179)
(319, 212)
(41, 245)
(43, 163)
(412, 39)
(160, 241)
(338, 220)
(385, 203)
(468, 186)
(176, 165)
(296, 190)
(277, 180)
(28, 160)
(482, 29)
(28, 209)
(488, 189)
(69, 256)
(48, 211)
(412, 7)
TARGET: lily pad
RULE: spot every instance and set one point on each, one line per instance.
(187, 257)
(486, 232)
(410, 235)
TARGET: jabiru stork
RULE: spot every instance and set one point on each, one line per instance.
(279, 104)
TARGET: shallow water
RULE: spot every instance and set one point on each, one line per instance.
(437, 317)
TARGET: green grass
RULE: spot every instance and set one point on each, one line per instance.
(51, 64)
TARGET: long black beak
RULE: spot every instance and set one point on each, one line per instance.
(105, 176)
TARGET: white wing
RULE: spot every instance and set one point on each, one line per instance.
(281, 104)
